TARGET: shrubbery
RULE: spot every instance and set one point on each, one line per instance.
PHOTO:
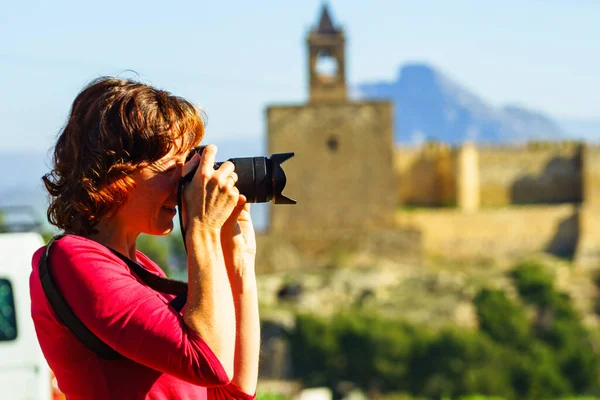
(533, 347)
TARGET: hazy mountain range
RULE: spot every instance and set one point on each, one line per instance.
(430, 106)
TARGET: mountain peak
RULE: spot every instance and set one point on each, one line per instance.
(417, 71)
(430, 106)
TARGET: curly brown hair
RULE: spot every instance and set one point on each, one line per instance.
(115, 127)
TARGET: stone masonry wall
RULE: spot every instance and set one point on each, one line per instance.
(509, 232)
(543, 173)
(342, 174)
(426, 175)
(538, 173)
(591, 175)
(588, 253)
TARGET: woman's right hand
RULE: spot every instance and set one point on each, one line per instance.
(211, 196)
(209, 199)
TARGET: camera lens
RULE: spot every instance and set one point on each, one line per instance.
(260, 179)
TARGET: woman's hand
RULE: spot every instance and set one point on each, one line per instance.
(209, 200)
(211, 196)
(238, 241)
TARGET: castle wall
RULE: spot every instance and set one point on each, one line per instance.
(591, 175)
(467, 178)
(588, 252)
(537, 173)
(508, 232)
(426, 175)
(588, 249)
(342, 174)
(543, 173)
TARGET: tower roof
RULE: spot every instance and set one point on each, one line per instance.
(325, 25)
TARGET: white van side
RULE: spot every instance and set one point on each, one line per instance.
(24, 373)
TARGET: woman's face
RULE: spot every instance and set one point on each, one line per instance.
(151, 205)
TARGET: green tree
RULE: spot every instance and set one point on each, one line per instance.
(534, 374)
(459, 362)
(533, 284)
(513, 355)
(315, 351)
(501, 319)
(558, 326)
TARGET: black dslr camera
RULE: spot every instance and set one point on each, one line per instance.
(260, 179)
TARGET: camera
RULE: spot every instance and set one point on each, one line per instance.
(260, 179)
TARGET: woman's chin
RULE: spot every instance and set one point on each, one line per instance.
(167, 230)
(163, 229)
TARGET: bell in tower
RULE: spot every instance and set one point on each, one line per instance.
(327, 74)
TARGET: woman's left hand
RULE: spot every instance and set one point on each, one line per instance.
(238, 240)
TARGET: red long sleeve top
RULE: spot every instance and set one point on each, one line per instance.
(163, 358)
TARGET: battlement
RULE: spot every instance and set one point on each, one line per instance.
(435, 148)
(593, 146)
(534, 172)
(532, 145)
(432, 147)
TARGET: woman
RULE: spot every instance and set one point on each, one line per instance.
(117, 164)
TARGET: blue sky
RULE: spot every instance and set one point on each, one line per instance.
(236, 57)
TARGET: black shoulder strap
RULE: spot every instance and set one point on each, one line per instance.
(68, 317)
(158, 283)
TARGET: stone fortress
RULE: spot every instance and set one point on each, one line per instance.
(360, 193)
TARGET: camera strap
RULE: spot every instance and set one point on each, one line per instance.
(68, 317)
(183, 181)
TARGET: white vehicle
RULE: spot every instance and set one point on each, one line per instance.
(24, 373)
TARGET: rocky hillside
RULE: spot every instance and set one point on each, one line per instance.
(436, 293)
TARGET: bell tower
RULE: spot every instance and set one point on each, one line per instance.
(342, 175)
(343, 172)
(327, 70)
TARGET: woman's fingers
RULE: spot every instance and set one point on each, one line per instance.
(207, 160)
(228, 181)
(191, 165)
(215, 192)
